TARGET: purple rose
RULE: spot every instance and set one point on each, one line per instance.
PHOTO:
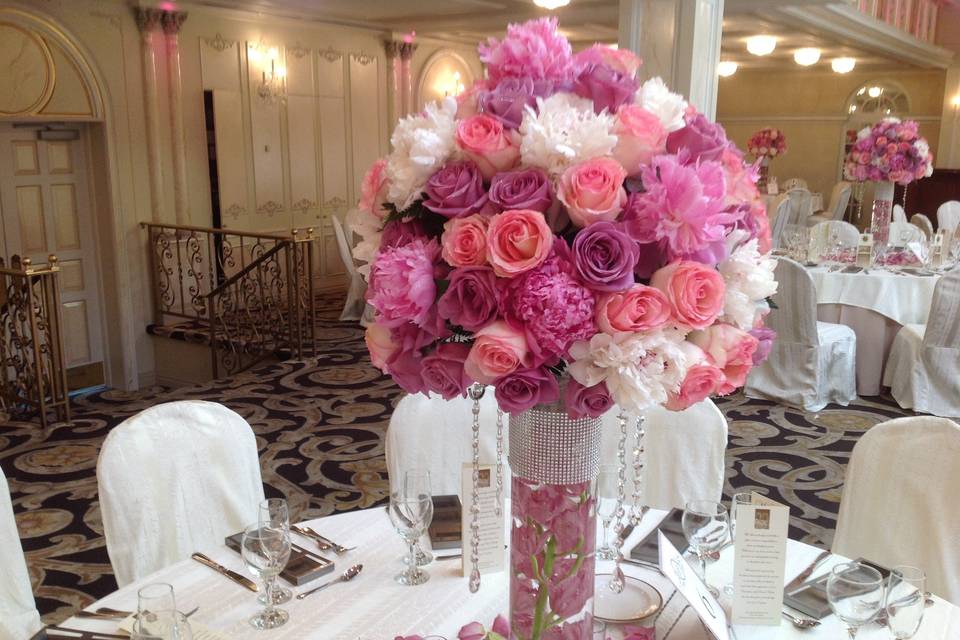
(443, 370)
(605, 257)
(584, 402)
(607, 88)
(507, 101)
(702, 139)
(521, 390)
(456, 190)
(765, 337)
(521, 189)
(471, 299)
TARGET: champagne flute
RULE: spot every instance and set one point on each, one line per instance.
(706, 526)
(265, 551)
(157, 615)
(606, 496)
(855, 593)
(416, 483)
(275, 514)
(743, 497)
(411, 517)
(905, 600)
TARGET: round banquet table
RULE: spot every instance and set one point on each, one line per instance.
(875, 303)
(374, 607)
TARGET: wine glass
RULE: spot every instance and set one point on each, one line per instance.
(706, 526)
(411, 517)
(416, 482)
(855, 593)
(157, 615)
(265, 551)
(743, 497)
(275, 513)
(606, 495)
(906, 600)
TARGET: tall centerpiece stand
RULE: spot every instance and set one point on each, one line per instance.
(880, 218)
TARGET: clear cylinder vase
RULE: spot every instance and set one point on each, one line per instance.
(764, 174)
(554, 461)
(880, 218)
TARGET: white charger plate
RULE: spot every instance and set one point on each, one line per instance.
(638, 600)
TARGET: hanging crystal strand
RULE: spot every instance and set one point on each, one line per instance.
(859, 202)
(636, 513)
(904, 203)
(499, 462)
(618, 581)
(476, 392)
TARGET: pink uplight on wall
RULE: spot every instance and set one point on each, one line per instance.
(408, 37)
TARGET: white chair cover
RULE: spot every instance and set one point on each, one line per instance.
(899, 502)
(684, 450)
(899, 215)
(801, 205)
(812, 363)
(18, 611)
(923, 370)
(839, 200)
(821, 236)
(795, 183)
(903, 233)
(174, 479)
(948, 215)
(783, 211)
(353, 309)
(923, 223)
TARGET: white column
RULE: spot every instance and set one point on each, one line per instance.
(948, 149)
(406, 55)
(678, 40)
(172, 20)
(148, 20)
(394, 83)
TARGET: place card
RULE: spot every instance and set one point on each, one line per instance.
(865, 250)
(693, 589)
(760, 556)
(492, 558)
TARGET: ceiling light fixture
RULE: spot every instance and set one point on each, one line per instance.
(727, 68)
(843, 65)
(806, 56)
(761, 45)
(874, 92)
(550, 5)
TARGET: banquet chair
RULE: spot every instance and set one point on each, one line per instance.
(948, 215)
(899, 215)
(923, 369)
(812, 363)
(903, 233)
(783, 208)
(923, 223)
(802, 205)
(822, 236)
(899, 500)
(684, 459)
(354, 307)
(19, 618)
(174, 479)
(839, 200)
(794, 183)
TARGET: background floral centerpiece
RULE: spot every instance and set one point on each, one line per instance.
(765, 145)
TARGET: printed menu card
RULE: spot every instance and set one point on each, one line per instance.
(691, 587)
(491, 554)
(760, 555)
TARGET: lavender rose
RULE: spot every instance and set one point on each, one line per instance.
(521, 189)
(507, 101)
(765, 337)
(583, 402)
(456, 190)
(471, 299)
(606, 87)
(443, 370)
(518, 391)
(702, 139)
(605, 257)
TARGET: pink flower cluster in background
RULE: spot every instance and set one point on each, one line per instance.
(768, 142)
(889, 151)
(564, 233)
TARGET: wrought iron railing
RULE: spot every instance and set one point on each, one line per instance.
(33, 373)
(251, 292)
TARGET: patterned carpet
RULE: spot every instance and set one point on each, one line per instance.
(320, 425)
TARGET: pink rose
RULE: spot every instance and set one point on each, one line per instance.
(485, 141)
(593, 190)
(695, 292)
(640, 136)
(730, 350)
(518, 241)
(380, 344)
(373, 189)
(639, 308)
(703, 379)
(464, 241)
(498, 350)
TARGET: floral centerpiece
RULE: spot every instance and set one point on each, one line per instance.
(765, 145)
(577, 240)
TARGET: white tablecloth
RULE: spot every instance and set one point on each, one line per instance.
(374, 607)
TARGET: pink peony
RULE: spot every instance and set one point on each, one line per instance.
(533, 50)
(593, 190)
(518, 241)
(640, 308)
(373, 189)
(730, 350)
(640, 137)
(485, 141)
(402, 288)
(695, 292)
(620, 60)
(702, 380)
(464, 241)
(498, 350)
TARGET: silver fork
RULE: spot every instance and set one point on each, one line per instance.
(106, 613)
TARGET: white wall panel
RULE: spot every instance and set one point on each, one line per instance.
(364, 114)
(231, 159)
(302, 127)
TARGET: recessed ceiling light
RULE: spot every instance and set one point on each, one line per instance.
(806, 56)
(761, 45)
(727, 68)
(551, 4)
(843, 65)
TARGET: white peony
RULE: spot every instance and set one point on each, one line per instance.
(923, 148)
(566, 131)
(640, 369)
(655, 97)
(749, 280)
(369, 228)
(422, 143)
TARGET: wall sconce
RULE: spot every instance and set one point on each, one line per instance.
(451, 85)
(273, 75)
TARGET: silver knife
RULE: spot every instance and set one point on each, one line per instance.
(219, 568)
(794, 584)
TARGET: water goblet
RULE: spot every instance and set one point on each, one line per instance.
(606, 496)
(157, 616)
(275, 513)
(855, 594)
(905, 600)
(265, 551)
(706, 526)
(411, 517)
(416, 482)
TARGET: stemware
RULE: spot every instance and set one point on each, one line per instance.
(411, 517)
(275, 514)
(707, 527)
(416, 482)
(905, 600)
(743, 497)
(606, 495)
(265, 551)
(157, 616)
(855, 594)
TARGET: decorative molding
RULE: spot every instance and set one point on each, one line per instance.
(171, 21)
(147, 19)
(363, 58)
(298, 50)
(304, 204)
(334, 203)
(235, 210)
(219, 43)
(330, 54)
(269, 208)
